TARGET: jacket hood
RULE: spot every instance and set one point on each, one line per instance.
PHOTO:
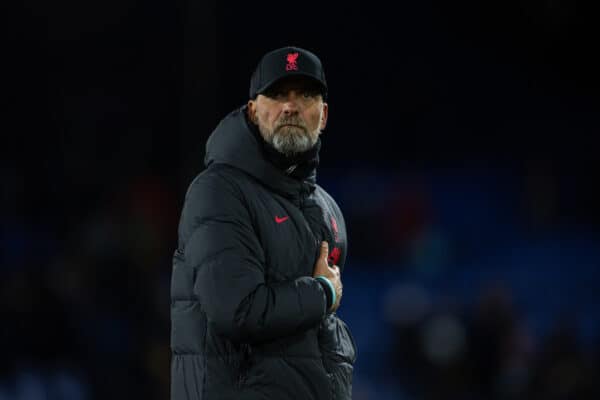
(234, 143)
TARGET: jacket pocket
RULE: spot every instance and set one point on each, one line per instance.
(338, 350)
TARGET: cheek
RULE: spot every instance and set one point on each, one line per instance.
(314, 118)
(267, 118)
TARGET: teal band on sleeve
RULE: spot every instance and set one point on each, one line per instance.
(323, 278)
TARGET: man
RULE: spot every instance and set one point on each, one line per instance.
(256, 275)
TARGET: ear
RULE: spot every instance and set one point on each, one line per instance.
(324, 115)
(252, 110)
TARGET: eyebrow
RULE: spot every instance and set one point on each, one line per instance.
(287, 88)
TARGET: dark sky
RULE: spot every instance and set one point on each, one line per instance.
(97, 92)
(420, 80)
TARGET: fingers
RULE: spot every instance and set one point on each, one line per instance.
(336, 269)
(322, 266)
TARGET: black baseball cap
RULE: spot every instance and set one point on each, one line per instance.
(284, 62)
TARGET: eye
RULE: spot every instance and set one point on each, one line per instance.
(274, 94)
(309, 94)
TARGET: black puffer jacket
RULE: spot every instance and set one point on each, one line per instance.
(248, 320)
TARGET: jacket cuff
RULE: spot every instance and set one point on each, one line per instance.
(328, 289)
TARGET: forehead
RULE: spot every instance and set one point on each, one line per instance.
(295, 82)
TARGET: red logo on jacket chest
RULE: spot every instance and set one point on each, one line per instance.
(335, 253)
(334, 228)
(334, 256)
(281, 219)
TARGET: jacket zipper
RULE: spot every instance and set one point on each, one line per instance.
(302, 197)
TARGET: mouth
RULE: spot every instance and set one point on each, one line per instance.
(290, 125)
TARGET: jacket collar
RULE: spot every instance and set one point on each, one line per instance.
(233, 142)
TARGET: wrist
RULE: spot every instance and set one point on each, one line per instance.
(329, 290)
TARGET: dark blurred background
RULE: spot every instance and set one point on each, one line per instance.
(461, 147)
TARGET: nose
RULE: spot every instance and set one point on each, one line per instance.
(290, 103)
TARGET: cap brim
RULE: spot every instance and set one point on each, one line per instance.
(267, 85)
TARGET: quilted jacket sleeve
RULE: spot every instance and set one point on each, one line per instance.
(219, 243)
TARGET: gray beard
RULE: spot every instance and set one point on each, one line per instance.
(290, 140)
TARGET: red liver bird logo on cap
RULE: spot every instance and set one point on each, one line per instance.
(291, 62)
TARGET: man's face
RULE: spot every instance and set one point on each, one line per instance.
(290, 115)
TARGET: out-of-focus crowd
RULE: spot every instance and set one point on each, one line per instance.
(86, 314)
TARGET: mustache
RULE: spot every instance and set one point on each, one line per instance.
(291, 121)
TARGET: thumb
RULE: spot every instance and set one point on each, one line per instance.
(324, 249)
